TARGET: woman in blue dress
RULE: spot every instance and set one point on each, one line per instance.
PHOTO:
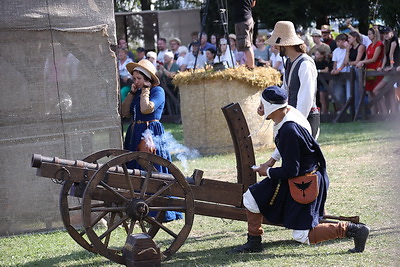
(145, 103)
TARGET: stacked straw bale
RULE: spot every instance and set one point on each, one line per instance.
(203, 94)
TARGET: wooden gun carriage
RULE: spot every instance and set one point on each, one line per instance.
(124, 197)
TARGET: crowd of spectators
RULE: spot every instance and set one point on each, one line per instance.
(333, 53)
(336, 53)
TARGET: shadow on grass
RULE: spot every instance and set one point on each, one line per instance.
(384, 231)
(215, 256)
(73, 259)
(219, 257)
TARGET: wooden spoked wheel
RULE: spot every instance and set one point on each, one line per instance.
(70, 205)
(131, 201)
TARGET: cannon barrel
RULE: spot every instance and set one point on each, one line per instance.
(38, 159)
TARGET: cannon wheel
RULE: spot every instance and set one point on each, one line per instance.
(129, 215)
(68, 209)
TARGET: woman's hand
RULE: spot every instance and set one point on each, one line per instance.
(147, 84)
(335, 72)
(133, 88)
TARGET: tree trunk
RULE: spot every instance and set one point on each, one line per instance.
(145, 4)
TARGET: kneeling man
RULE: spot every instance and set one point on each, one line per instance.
(271, 198)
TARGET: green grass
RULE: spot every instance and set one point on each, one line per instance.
(363, 165)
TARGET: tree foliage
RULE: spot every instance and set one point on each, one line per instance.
(300, 12)
(389, 11)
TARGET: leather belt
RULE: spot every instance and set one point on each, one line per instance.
(139, 121)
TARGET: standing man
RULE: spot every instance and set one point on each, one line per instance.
(272, 198)
(318, 44)
(174, 44)
(194, 57)
(327, 37)
(300, 79)
(140, 54)
(161, 49)
(244, 26)
(204, 44)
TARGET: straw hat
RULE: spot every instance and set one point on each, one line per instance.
(145, 67)
(176, 40)
(326, 28)
(284, 34)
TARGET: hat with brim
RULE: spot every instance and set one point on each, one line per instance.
(176, 40)
(232, 36)
(284, 34)
(326, 28)
(273, 98)
(316, 33)
(145, 67)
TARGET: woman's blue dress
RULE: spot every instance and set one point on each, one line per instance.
(135, 131)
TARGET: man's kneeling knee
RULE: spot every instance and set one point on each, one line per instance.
(301, 236)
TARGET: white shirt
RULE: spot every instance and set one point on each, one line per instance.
(365, 40)
(190, 59)
(160, 55)
(180, 60)
(277, 58)
(123, 72)
(339, 55)
(227, 57)
(308, 85)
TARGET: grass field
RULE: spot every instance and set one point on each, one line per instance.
(363, 165)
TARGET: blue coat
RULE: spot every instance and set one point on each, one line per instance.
(135, 131)
(301, 154)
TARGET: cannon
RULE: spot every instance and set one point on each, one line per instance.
(100, 188)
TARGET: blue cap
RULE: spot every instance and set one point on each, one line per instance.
(274, 95)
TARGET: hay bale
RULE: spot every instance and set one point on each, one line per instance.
(204, 94)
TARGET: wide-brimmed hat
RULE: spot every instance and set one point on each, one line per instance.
(273, 98)
(176, 40)
(284, 34)
(316, 32)
(145, 67)
(326, 28)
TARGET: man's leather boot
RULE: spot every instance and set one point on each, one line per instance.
(360, 234)
(253, 244)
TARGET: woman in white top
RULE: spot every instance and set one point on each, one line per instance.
(226, 55)
(276, 61)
